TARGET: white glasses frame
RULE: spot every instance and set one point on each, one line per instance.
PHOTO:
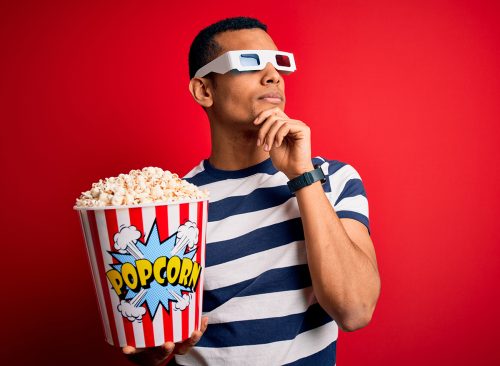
(231, 61)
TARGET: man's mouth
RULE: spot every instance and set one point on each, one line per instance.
(274, 98)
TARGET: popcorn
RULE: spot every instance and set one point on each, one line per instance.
(139, 186)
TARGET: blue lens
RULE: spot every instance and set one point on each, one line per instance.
(249, 59)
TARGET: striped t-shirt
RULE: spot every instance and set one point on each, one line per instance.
(258, 293)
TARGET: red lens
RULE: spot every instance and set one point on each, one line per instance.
(283, 60)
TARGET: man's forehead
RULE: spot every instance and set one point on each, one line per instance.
(245, 39)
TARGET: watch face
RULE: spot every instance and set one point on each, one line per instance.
(321, 173)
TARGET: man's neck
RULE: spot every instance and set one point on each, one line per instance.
(235, 149)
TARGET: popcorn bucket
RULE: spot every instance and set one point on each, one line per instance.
(147, 262)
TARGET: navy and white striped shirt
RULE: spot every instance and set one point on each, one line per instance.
(258, 293)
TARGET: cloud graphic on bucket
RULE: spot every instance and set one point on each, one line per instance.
(182, 302)
(187, 235)
(126, 239)
(129, 311)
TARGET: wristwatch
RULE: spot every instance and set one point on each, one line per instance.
(306, 179)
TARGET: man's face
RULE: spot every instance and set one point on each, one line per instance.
(240, 96)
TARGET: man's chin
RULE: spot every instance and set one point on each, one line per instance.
(264, 106)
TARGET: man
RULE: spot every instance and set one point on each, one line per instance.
(287, 263)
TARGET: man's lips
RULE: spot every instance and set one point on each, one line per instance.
(274, 98)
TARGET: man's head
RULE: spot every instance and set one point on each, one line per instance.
(204, 47)
(234, 97)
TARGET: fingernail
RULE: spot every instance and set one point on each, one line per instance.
(169, 348)
(258, 142)
(266, 147)
(128, 350)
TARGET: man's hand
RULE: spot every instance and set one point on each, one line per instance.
(154, 356)
(287, 140)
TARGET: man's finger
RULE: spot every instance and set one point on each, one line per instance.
(262, 116)
(129, 350)
(185, 346)
(150, 355)
(204, 324)
(271, 134)
(168, 347)
(265, 127)
(281, 134)
(195, 337)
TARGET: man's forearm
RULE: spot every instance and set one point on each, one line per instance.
(345, 279)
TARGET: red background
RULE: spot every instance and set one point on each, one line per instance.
(405, 91)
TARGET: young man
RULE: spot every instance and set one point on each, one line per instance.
(289, 255)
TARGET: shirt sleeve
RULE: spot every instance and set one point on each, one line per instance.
(345, 190)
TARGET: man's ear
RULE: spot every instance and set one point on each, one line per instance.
(201, 90)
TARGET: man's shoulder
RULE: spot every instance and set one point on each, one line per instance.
(196, 174)
(198, 168)
(339, 173)
(330, 166)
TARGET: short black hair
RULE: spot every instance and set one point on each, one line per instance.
(204, 48)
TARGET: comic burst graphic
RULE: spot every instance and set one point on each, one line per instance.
(130, 249)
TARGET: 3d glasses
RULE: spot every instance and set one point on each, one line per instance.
(249, 60)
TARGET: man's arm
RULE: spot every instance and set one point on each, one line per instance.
(340, 253)
(341, 259)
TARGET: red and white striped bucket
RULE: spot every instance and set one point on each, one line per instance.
(148, 268)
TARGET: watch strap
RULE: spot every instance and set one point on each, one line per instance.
(306, 179)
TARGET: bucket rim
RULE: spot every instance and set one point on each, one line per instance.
(140, 205)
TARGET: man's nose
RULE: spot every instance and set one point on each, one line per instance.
(270, 75)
